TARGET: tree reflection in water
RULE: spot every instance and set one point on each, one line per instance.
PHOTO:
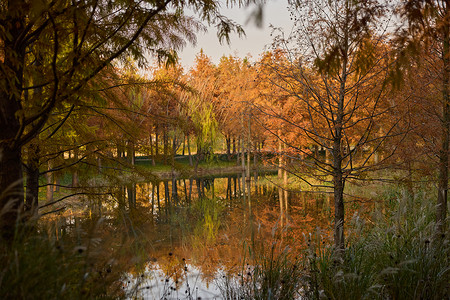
(206, 227)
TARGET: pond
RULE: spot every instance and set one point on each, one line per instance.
(185, 235)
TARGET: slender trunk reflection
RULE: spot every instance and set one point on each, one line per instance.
(206, 226)
(174, 191)
(167, 202)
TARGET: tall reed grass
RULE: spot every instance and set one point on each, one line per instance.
(265, 274)
(396, 255)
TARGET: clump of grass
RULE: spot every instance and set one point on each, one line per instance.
(398, 257)
(272, 274)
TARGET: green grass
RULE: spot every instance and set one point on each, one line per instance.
(182, 163)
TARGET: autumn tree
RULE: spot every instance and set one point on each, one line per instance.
(336, 66)
(166, 110)
(423, 39)
(66, 44)
(203, 80)
(84, 136)
(236, 92)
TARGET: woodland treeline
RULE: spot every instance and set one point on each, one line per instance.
(357, 86)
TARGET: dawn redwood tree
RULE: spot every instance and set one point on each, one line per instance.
(337, 64)
(281, 104)
(226, 107)
(427, 34)
(83, 131)
(234, 94)
(236, 91)
(419, 153)
(67, 43)
(165, 106)
(200, 105)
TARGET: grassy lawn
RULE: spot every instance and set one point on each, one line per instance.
(181, 163)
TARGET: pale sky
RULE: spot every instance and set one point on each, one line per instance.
(275, 13)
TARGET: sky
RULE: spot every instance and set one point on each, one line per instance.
(255, 41)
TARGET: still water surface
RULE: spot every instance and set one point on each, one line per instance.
(190, 232)
(211, 224)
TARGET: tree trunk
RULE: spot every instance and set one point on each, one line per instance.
(185, 191)
(338, 186)
(153, 199)
(255, 165)
(12, 193)
(243, 169)
(238, 179)
(131, 193)
(166, 144)
(327, 157)
(238, 154)
(121, 198)
(120, 150)
(156, 142)
(228, 140)
(234, 146)
(189, 150)
(280, 157)
(131, 155)
(174, 150)
(174, 190)
(286, 194)
(32, 171)
(152, 152)
(255, 155)
(11, 82)
(198, 156)
(338, 179)
(228, 196)
(49, 177)
(75, 171)
(190, 189)
(199, 190)
(280, 196)
(249, 157)
(158, 198)
(99, 164)
(441, 210)
(280, 177)
(166, 194)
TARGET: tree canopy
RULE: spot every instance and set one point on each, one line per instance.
(52, 50)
